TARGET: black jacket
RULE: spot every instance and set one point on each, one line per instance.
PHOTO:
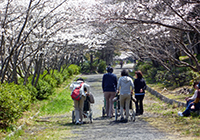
(140, 84)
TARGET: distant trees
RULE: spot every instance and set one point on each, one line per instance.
(159, 30)
(33, 39)
(38, 35)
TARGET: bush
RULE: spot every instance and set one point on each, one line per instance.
(102, 66)
(44, 89)
(85, 67)
(73, 69)
(65, 74)
(49, 79)
(152, 73)
(144, 67)
(32, 90)
(176, 77)
(14, 100)
(58, 77)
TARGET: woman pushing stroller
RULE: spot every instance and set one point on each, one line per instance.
(126, 86)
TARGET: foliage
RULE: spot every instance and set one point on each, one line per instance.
(58, 77)
(175, 78)
(102, 66)
(44, 89)
(144, 67)
(49, 79)
(97, 66)
(30, 87)
(64, 73)
(14, 100)
(85, 67)
(73, 69)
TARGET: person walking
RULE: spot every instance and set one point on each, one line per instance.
(109, 86)
(125, 84)
(140, 87)
(79, 104)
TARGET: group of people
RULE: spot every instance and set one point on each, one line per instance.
(125, 87)
(111, 85)
(193, 103)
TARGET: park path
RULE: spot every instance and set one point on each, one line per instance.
(108, 129)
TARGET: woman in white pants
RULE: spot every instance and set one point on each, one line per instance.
(126, 86)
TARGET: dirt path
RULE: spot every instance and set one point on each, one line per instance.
(61, 128)
(104, 128)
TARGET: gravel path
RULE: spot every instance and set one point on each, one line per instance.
(105, 128)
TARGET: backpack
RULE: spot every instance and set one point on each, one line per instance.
(76, 94)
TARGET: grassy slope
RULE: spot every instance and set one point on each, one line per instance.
(58, 104)
(168, 120)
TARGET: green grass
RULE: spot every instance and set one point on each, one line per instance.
(171, 93)
(59, 105)
(168, 120)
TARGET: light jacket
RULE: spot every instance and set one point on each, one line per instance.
(78, 83)
(126, 84)
(194, 96)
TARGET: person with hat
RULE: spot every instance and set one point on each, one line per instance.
(109, 86)
(193, 106)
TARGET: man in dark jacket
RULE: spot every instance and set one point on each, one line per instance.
(109, 86)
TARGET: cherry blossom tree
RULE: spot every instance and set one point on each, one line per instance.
(161, 30)
(46, 34)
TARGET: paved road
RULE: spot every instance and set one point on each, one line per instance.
(104, 128)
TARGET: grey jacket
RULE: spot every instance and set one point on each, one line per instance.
(126, 84)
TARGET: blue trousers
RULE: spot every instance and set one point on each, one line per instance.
(188, 102)
(188, 109)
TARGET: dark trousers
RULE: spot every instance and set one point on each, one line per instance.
(188, 109)
(139, 104)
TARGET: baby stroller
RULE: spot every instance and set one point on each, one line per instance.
(131, 108)
(87, 111)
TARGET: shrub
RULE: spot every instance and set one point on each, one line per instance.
(32, 90)
(65, 74)
(73, 69)
(49, 79)
(102, 66)
(144, 67)
(44, 89)
(14, 100)
(58, 77)
(85, 67)
(152, 73)
(30, 87)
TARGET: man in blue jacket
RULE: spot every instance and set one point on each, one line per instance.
(109, 86)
